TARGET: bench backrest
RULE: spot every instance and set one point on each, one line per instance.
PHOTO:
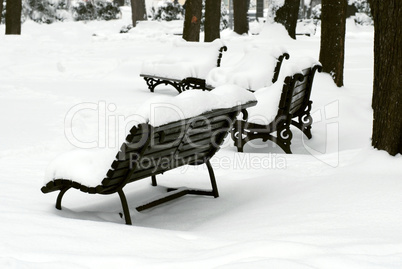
(153, 150)
(278, 66)
(296, 92)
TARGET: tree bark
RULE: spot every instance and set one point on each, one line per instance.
(138, 11)
(13, 17)
(287, 15)
(212, 20)
(332, 50)
(192, 20)
(119, 3)
(1, 9)
(387, 89)
(240, 9)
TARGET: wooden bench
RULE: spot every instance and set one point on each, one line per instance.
(186, 59)
(149, 151)
(293, 109)
(196, 83)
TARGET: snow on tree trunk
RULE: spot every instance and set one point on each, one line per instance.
(332, 50)
(212, 20)
(192, 20)
(287, 15)
(13, 17)
(387, 91)
(240, 9)
(138, 11)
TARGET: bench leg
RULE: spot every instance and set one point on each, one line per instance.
(60, 197)
(154, 183)
(177, 193)
(153, 82)
(238, 135)
(284, 137)
(126, 211)
(305, 121)
(213, 181)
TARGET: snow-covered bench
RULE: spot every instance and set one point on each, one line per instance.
(158, 144)
(259, 67)
(186, 59)
(279, 106)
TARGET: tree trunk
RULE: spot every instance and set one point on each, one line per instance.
(332, 50)
(259, 9)
(302, 9)
(387, 90)
(1, 9)
(287, 15)
(212, 20)
(240, 9)
(119, 3)
(192, 20)
(138, 11)
(13, 17)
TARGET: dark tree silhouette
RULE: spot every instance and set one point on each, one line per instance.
(387, 90)
(332, 50)
(138, 11)
(212, 20)
(13, 17)
(240, 9)
(192, 20)
(1, 8)
(119, 2)
(287, 15)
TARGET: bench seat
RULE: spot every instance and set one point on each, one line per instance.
(185, 59)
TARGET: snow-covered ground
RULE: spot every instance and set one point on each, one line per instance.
(334, 203)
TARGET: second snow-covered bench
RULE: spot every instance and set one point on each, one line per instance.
(186, 59)
(258, 68)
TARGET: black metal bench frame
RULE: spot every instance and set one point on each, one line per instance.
(154, 81)
(149, 151)
(294, 109)
(196, 83)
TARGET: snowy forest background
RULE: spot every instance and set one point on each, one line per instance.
(49, 11)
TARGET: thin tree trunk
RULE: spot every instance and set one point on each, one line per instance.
(240, 9)
(287, 15)
(212, 20)
(387, 90)
(192, 20)
(119, 2)
(1, 9)
(13, 17)
(332, 50)
(138, 11)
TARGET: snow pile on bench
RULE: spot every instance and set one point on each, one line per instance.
(186, 59)
(269, 97)
(254, 71)
(89, 166)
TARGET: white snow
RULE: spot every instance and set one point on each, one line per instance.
(334, 203)
(185, 59)
(251, 71)
(165, 109)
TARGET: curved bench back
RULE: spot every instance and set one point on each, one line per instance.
(152, 150)
(296, 92)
